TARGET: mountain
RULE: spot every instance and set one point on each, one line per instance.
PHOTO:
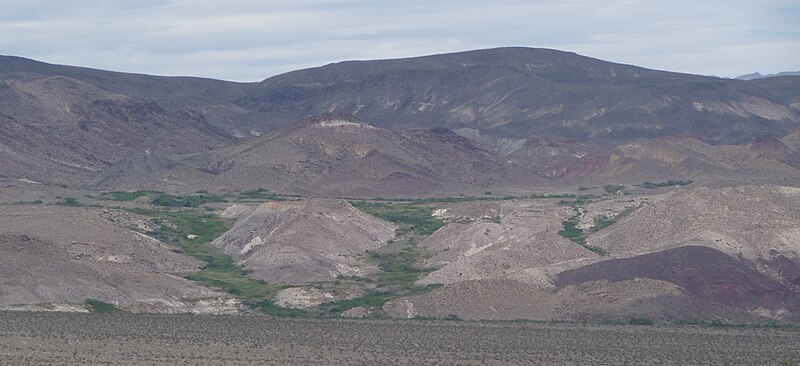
(340, 156)
(758, 75)
(518, 92)
(333, 156)
(674, 197)
(65, 124)
(62, 130)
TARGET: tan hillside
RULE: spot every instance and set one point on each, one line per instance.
(307, 241)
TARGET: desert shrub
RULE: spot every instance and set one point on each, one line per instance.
(261, 194)
(269, 308)
(126, 196)
(411, 218)
(169, 200)
(98, 306)
(34, 202)
(669, 183)
(640, 321)
(71, 202)
(571, 230)
(613, 188)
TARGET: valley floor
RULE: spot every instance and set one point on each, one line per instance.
(79, 339)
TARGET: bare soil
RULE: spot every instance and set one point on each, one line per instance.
(79, 339)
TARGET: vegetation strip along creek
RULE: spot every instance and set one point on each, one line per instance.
(397, 262)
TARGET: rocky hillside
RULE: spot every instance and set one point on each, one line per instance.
(64, 124)
(698, 253)
(308, 241)
(333, 156)
(55, 254)
(517, 92)
(340, 156)
(62, 130)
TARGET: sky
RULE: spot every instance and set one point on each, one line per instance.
(250, 40)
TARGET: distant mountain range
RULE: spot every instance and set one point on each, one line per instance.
(757, 75)
(68, 125)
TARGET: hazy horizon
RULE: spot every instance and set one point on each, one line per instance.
(253, 40)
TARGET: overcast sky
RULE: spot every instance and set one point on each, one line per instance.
(249, 40)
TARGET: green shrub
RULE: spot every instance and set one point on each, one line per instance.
(168, 200)
(613, 188)
(98, 306)
(71, 202)
(269, 308)
(640, 321)
(262, 194)
(411, 218)
(669, 183)
(126, 196)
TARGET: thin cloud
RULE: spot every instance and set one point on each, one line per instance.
(249, 40)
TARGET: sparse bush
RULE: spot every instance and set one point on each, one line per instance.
(261, 194)
(127, 196)
(669, 183)
(101, 307)
(640, 321)
(411, 217)
(269, 308)
(71, 202)
(169, 200)
(613, 188)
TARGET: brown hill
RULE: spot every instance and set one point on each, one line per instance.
(728, 253)
(340, 156)
(309, 241)
(55, 254)
(331, 156)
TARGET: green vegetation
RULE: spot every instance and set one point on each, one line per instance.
(260, 193)
(269, 308)
(721, 323)
(669, 183)
(71, 202)
(34, 202)
(398, 270)
(603, 221)
(399, 264)
(572, 232)
(613, 188)
(640, 321)
(98, 306)
(195, 200)
(411, 218)
(127, 196)
(220, 271)
(464, 198)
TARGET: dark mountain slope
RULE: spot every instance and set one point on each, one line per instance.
(516, 92)
(208, 96)
(63, 130)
